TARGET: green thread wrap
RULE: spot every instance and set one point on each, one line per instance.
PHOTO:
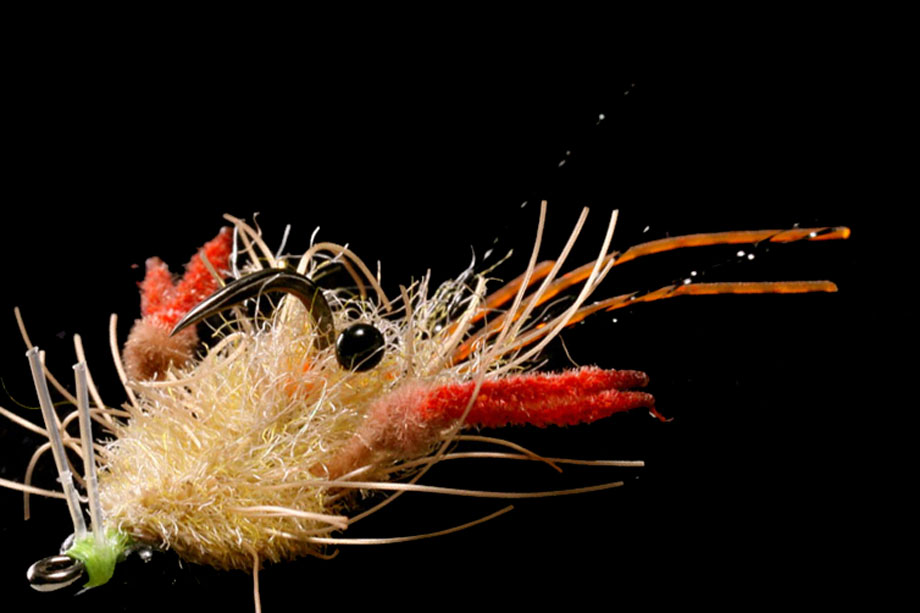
(100, 561)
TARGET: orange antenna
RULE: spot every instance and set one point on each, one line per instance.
(660, 246)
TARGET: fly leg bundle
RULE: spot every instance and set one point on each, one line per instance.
(94, 551)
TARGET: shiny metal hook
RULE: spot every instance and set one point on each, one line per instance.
(264, 281)
(54, 572)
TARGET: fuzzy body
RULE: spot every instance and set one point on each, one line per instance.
(183, 471)
(257, 423)
(226, 457)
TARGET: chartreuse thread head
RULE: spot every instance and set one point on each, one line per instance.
(95, 558)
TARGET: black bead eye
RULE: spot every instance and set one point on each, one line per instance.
(359, 347)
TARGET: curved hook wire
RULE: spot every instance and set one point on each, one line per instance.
(263, 281)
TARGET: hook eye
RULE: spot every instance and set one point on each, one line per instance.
(54, 573)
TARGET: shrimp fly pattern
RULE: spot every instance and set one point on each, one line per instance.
(276, 426)
(263, 446)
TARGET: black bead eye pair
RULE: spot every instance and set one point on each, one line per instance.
(359, 347)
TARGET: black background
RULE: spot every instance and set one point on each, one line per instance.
(413, 167)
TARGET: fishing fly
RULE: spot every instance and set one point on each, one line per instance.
(259, 447)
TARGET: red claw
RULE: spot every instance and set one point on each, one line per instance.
(407, 421)
(541, 399)
(166, 303)
(150, 349)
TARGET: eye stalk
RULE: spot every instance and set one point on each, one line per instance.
(54, 573)
(359, 347)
